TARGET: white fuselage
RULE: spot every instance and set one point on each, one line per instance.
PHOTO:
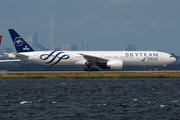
(75, 57)
(90, 59)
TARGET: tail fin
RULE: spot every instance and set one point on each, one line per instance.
(0, 39)
(20, 44)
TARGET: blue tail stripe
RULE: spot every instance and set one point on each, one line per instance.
(20, 44)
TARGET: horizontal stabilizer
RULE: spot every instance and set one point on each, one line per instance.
(9, 60)
(18, 55)
(3, 55)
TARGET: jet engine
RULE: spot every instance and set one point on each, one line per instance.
(115, 64)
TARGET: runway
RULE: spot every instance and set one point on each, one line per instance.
(90, 72)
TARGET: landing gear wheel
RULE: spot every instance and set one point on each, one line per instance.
(91, 69)
(85, 69)
(96, 69)
(162, 69)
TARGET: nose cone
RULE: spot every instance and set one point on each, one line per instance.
(173, 59)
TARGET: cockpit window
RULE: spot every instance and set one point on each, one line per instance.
(171, 56)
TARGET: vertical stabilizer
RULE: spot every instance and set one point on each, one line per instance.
(20, 44)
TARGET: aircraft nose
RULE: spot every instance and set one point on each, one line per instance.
(174, 59)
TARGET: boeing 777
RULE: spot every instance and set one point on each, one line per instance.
(0, 39)
(90, 59)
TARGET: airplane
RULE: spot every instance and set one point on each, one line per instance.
(0, 39)
(90, 59)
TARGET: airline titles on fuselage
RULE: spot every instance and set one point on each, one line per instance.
(146, 56)
(141, 54)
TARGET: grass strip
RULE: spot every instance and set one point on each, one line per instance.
(86, 76)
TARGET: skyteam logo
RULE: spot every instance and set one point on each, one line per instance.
(143, 59)
(54, 57)
(25, 48)
(18, 41)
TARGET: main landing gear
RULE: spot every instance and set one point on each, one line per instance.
(91, 69)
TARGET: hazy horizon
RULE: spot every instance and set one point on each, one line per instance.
(106, 24)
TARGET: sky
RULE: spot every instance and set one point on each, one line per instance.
(108, 25)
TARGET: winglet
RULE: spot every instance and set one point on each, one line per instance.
(20, 44)
(0, 39)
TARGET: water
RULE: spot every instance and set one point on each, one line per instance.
(90, 99)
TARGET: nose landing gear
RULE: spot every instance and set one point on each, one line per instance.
(162, 69)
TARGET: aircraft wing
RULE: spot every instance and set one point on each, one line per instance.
(93, 59)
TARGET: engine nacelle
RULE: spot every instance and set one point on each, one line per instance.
(115, 64)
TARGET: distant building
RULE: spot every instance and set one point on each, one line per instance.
(130, 47)
(41, 48)
(85, 44)
(74, 47)
(70, 47)
(57, 49)
(9, 50)
(5, 50)
(67, 47)
(35, 40)
(30, 40)
(51, 32)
